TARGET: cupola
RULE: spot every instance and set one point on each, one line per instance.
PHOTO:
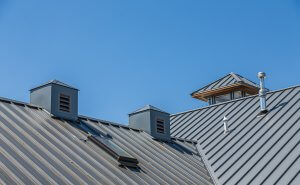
(59, 99)
(229, 87)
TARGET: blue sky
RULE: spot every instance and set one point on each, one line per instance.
(125, 54)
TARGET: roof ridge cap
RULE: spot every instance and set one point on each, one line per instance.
(294, 86)
(20, 102)
(236, 77)
(110, 123)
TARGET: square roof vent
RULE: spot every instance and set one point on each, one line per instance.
(59, 99)
(153, 121)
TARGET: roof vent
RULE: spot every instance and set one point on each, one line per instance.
(59, 99)
(152, 120)
(262, 93)
(64, 103)
(225, 122)
(160, 126)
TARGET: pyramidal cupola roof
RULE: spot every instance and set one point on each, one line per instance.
(53, 82)
(229, 82)
(147, 107)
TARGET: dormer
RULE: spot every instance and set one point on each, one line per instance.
(229, 87)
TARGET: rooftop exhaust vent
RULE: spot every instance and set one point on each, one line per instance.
(225, 122)
(59, 99)
(262, 93)
(153, 121)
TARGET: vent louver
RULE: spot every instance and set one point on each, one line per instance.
(160, 126)
(64, 103)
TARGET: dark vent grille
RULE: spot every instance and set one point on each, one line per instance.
(64, 103)
(160, 126)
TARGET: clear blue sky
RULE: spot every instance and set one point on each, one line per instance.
(125, 54)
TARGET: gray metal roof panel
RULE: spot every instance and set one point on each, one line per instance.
(38, 149)
(258, 150)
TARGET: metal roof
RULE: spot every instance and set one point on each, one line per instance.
(148, 107)
(257, 150)
(53, 82)
(230, 79)
(38, 149)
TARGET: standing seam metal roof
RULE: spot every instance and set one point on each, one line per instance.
(258, 150)
(38, 149)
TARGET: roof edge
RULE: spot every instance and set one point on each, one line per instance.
(237, 77)
(107, 122)
(128, 127)
(19, 102)
(56, 82)
(147, 108)
(295, 86)
(240, 85)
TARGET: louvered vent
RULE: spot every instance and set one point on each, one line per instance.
(160, 126)
(64, 103)
(153, 121)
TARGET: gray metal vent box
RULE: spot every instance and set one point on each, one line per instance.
(59, 99)
(152, 120)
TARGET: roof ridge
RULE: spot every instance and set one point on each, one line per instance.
(19, 102)
(127, 126)
(247, 79)
(107, 122)
(2, 99)
(243, 98)
(236, 77)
